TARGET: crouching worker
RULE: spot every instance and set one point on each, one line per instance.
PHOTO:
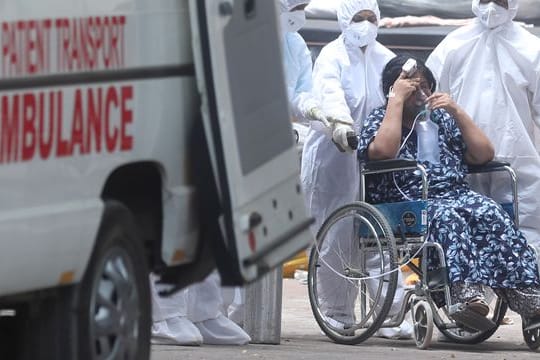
(482, 245)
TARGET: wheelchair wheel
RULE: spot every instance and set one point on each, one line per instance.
(532, 336)
(422, 317)
(349, 297)
(468, 337)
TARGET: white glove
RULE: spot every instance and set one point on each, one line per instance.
(315, 114)
(335, 121)
(343, 136)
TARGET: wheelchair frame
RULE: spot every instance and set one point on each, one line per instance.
(460, 326)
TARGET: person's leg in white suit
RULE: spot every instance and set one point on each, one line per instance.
(340, 294)
(405, 330)
(204, 309)
(337, 294)
(233, 304)
(170, 324)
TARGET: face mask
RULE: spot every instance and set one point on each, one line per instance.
(492, 15)
(361, 34)
(293, 21)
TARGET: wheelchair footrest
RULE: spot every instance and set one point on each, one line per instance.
(470, 318)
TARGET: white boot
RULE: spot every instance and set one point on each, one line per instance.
(170, 324)
(404, 331)
(222, 331)
(176, 331)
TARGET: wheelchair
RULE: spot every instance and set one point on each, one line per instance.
(385, 237)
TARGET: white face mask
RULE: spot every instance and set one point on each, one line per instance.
(361, 34)
(492, 15)
(293, 21)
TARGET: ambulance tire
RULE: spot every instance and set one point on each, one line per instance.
(113, 298)
(114, 293)
(114, 307)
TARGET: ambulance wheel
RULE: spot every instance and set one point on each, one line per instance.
(422, 317)
(114, 309)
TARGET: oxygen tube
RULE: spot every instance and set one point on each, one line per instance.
(427, 133)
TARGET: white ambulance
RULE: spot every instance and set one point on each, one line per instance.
(136, 135)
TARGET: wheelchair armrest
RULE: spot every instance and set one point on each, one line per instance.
(389, 165)
(488, 167)
(493, 166)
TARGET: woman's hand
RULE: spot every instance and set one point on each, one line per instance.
(443, 101)
(403, 87)
(479, 148)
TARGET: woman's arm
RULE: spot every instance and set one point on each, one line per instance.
(388, 140)
(480, 150)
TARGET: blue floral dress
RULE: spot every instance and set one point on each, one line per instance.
(481, 242)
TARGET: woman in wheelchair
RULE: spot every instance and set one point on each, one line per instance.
(483, 246)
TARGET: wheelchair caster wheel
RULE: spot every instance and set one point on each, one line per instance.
(422, 317)
(531, 332)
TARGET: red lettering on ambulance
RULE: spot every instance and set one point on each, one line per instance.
(62, 146)
(46, 135)
(126, 116)
(77, 124)
(95, 111)
(89, 43)
(32, 123)
(9, 57)
(9, 140)
(111, 135)
(64, 56)
(25, 47)
(29, 127)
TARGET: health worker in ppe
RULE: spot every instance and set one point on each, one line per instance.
(346, 81)
(193, 316)
(491, 68)
(298, 68)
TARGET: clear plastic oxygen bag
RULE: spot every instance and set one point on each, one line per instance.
(427, 133)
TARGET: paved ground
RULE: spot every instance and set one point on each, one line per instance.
(301, 339)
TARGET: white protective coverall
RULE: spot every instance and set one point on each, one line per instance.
(494, 74)
(194, 316)
(298, 67)
(347, 83)
(297, 63)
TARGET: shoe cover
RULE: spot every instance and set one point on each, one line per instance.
(237, 308)
(404, 331)
(176, 331)
(222, 331)
(342, 328)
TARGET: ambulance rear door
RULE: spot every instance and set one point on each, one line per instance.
(246, 119)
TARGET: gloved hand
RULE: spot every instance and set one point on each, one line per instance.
(315, 114)
(344, 137)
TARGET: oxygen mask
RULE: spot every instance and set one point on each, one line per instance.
(421, 98)
(421, 103)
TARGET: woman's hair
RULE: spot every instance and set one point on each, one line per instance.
(392, 70)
